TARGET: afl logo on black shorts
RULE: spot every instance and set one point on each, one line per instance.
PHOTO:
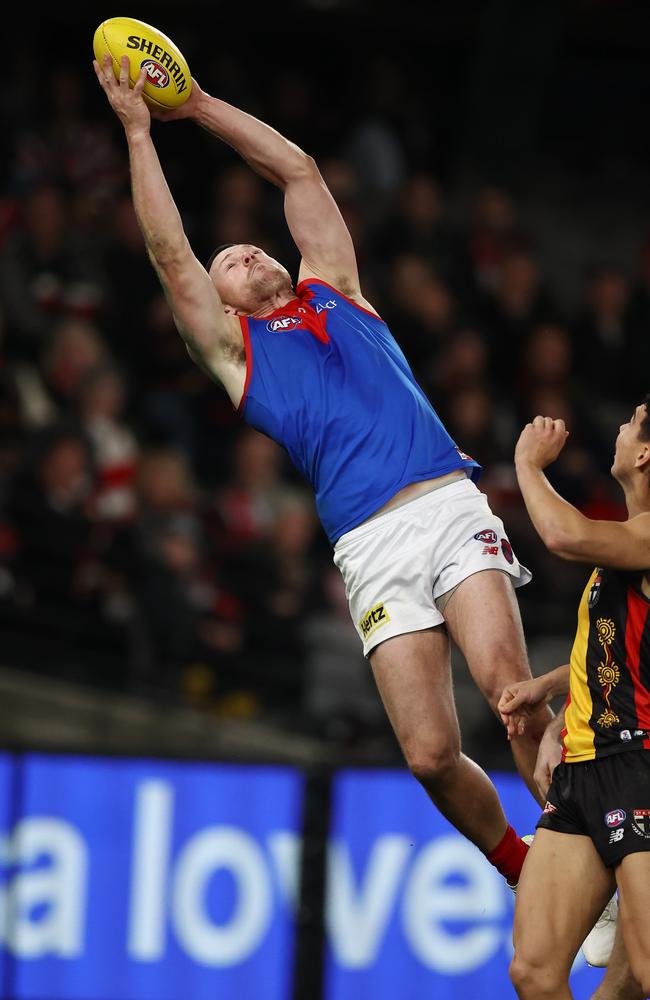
(506, 548)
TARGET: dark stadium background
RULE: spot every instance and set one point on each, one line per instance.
(492, 162)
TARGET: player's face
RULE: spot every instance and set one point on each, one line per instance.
(246, 277)
(628, 444)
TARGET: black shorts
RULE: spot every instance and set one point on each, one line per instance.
(606, 799)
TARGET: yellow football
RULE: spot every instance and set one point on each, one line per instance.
(168, 83)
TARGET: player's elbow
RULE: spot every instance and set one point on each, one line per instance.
(302, 166)
(561, 543)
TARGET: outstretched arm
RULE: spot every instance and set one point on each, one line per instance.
(523, 698)
(213, 338)
(562, 528)
(312, 215)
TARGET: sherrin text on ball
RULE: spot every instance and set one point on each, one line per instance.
(168, 83)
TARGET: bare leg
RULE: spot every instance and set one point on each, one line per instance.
(619, 983)
(633, 877)
(413, 675)
(483, 619)
(563, 888)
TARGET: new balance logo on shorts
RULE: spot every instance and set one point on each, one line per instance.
(373, 620)
(616, 835)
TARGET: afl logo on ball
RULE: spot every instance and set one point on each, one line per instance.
(157, 75)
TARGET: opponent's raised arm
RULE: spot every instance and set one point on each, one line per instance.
(213, 338)
(312, 215)
(564, 529)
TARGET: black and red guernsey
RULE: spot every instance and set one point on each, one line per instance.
(608, 709)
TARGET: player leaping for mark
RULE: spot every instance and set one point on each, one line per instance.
(317, 370)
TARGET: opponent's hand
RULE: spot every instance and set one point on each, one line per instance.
(521, 700)
(127, 102)
(186, 110)
(549, 756)
(541, 442)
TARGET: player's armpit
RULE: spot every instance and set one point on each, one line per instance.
(211, 334)
(615, 544)
(193, 299)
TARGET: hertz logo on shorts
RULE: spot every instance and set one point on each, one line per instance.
(373, 620)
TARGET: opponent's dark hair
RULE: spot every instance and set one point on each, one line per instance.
(216, 252)
(644, 429)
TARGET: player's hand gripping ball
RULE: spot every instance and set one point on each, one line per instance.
(168, 83)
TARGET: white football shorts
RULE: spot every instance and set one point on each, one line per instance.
(396, 565)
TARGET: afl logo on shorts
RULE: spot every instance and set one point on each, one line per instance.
(283, 323)
(594, 593)
(488, 537)
(615, 817)
(157, 75)
(506, 548)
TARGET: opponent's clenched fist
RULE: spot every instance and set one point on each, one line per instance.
(541, 442)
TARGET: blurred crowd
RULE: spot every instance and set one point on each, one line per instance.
(149, 541)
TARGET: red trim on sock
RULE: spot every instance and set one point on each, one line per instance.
(509, 855)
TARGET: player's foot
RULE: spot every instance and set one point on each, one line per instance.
(598, 944)
(527, 839)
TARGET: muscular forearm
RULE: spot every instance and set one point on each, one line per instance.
(558, 523)
(265, 150)
(154, 206)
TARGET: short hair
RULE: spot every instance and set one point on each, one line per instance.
(216, 252)
(644, 429)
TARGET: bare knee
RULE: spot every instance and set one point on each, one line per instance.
(535, 980)
(432, 765)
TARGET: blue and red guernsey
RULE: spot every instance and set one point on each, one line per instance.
(326, 379)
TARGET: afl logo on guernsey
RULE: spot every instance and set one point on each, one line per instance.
(283, 323)
(157, 75)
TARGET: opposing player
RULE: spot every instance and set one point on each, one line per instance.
(316, 369)
(594, 833)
